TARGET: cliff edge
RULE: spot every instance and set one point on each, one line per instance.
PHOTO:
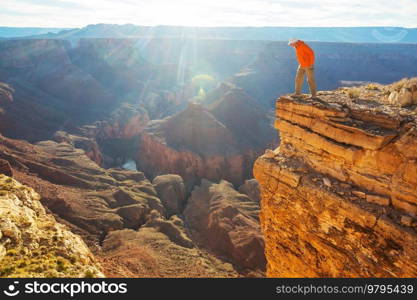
(339, 195)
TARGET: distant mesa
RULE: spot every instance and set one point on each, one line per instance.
(323, 34)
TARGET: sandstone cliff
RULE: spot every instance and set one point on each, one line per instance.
(339, 195)
(33, 244)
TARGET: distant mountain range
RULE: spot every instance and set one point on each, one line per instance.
(324, 34)
(12, 32)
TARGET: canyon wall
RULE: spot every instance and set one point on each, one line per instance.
(339, 195)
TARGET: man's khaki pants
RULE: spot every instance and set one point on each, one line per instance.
(299, 80)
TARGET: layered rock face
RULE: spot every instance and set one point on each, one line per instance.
(33, 244)
(339, 195)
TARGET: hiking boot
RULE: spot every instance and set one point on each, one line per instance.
(298, 95)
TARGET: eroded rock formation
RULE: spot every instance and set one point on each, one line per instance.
(339, 195)
(212, 141)
(226, 222)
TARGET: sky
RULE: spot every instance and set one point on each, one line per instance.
(326, 13)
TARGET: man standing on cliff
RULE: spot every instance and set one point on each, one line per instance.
(305, 58)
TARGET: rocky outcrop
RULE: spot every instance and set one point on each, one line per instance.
(339, 195)
(403, 92)
(126, 122)
(171, 191)
(33, 244)
(226, 222)
(89, 145)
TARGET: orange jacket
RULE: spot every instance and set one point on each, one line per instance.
(305, 55)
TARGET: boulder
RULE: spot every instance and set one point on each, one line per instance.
(405, 97)
(402, 98)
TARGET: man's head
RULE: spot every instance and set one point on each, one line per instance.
(292, 42)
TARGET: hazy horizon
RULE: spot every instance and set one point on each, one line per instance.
(216, 13)
(191, 26)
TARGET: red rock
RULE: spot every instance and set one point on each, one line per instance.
(223, 220)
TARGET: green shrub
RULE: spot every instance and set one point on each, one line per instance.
(6, 271)
(354, 93)
(89, 274)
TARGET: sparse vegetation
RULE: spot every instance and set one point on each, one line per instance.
(408, 83)
(354, 93)
(32, 264)
(89, 274)
(372, 87)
